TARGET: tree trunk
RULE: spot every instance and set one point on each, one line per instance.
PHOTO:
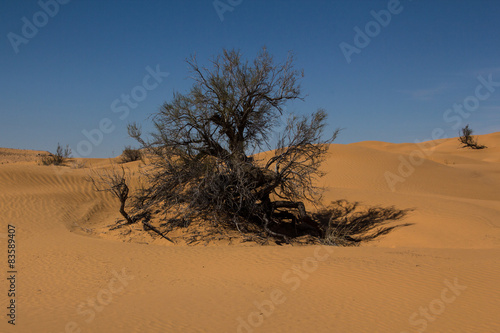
(292, 204)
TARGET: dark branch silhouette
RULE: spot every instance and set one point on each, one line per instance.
(200, 153)
(467, 140)
(115, 182)
(59, 158)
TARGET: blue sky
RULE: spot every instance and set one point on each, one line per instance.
(64, 77)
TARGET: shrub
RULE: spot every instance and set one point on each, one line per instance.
(201, 163)
(202, 168)
(130, 154)
(59, 158)
(114, 181)
(467, 140)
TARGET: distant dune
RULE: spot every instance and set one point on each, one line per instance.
(8, 155)
(438, 275)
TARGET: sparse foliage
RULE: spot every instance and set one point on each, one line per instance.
(467, 140)
(130, 154)
(115, 182)
(59, 158)
(202, 164)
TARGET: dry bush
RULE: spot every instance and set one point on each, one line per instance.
(59, 158)
(116, 181)
(201, 164)
(467, 140)
(130, 154)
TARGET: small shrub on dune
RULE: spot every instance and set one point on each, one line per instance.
(59, 158)
(130, 154)
(467, 140)
(116, 181)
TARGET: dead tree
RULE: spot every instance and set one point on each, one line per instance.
(201, 163)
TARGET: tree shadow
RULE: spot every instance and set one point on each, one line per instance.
(342, 223)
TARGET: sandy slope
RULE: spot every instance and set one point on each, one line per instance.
(400, 283)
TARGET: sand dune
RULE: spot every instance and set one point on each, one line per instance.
(438, 275)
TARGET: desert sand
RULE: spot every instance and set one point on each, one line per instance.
(441, 274)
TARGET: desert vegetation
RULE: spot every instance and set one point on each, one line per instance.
(203, 164)
(130, 154)
(59, 158)
(115, 181)
(467, 140)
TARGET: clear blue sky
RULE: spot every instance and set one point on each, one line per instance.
(64, 79)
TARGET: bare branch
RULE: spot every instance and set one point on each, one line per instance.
(115, 182)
